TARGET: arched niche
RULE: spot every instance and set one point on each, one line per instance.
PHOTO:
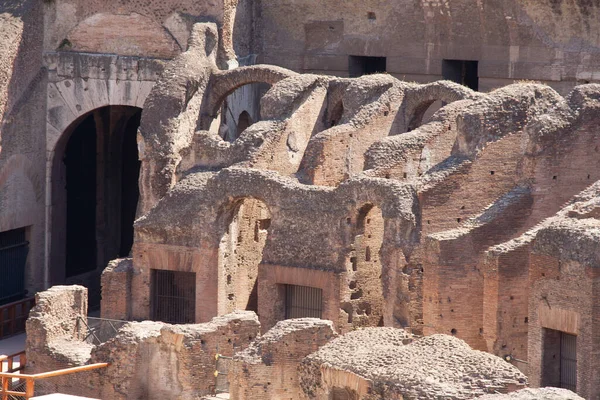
(362, 298)
(246, 225)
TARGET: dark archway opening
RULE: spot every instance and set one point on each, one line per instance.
(130, 190)
(95, 195)
(244, 121)
(81, 198)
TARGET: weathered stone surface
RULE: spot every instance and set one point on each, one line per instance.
(535, 394)
(54, 332)
(401, 201)
(268, 368)
(392, 364)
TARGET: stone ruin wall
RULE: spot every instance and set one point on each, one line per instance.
(150, 360)
(299, 358)
(268, 368)
(63, 60)
(485, 169)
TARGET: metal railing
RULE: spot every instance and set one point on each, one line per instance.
(9, 391)
(10, 363)
(98, 330)
(14, 363)
(13, 317)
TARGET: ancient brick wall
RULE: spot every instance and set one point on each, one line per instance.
(116, 290)
(268, 369)
(240, 253)
(153, 360)
(506, 303)
(147, 359)
(272, 280)
(526, 37)
(562, 298)
(55, 330)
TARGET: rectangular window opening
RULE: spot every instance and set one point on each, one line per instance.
(463, 72)
(14, 248)
(303, 302)
(173, 296)
(361, 65)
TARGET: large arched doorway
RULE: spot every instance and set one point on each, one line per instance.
(95, 195)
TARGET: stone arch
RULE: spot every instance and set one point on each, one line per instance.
(71, 99)
(245, 223)
(422, 97)
(224, 83)
(93, 175)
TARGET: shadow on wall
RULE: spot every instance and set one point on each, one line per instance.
(22, 96)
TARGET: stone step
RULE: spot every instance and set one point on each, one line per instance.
(60, 396)
(220, 396)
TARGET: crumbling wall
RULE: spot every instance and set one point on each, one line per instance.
(150, 360)
(153, 360)
(362, 296)
(240, 253)
(268, 368)
(116, 290)
(388, 363)
(563, 297)
(55, 331)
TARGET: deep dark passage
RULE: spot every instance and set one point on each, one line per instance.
(130, 191)
(80, 162)
(464, 72)
(101, 174)
(359, 65)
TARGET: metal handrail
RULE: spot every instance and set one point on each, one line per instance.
(10, 360)
(7, 377)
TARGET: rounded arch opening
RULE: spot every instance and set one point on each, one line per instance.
(362, 302)
(244, 121)
(335, 115)
(423, 113)
(240, 254)
(95, 193)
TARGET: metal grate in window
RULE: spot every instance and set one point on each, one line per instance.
(13, 256)
(173, 296)
(303, 302)
(568, 361)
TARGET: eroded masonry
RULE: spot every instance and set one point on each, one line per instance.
(343, 204)
(277, 201)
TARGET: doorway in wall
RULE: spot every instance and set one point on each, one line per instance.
(559, 359)
(95, 195)
(463, 72)
(360, 65)
(13, 257)
(173, 296)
